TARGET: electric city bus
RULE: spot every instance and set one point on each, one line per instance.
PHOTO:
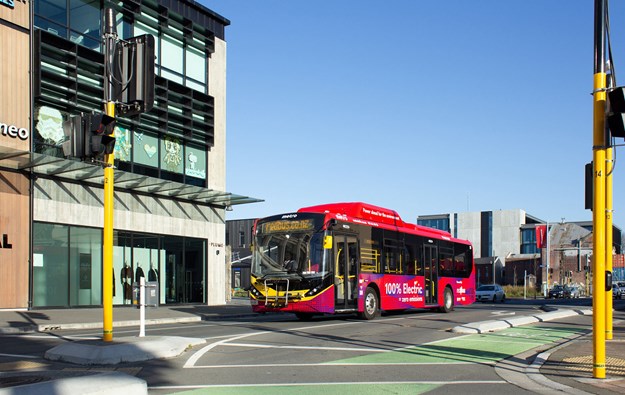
(356, 258)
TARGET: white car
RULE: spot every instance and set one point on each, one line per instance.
(490, 293)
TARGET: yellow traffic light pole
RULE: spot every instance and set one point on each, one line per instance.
(110, 35)
(599, 198)
(608, 239)
(107, 247)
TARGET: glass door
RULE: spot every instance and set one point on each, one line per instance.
(430, 257)
(346, 253)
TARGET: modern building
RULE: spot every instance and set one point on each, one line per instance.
(170, 198)
(239, 242)
(506, 248)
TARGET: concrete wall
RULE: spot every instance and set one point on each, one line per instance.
(216, 288)
(507, 231)
(469, 229)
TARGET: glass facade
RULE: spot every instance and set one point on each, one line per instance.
(75, 20)
(67, 266)
(528, 241)
(173, 140)
(436, 223)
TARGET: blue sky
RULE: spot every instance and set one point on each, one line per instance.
(424, 107)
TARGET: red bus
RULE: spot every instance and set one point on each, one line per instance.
(356, 258)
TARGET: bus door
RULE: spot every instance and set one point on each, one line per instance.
(346, 262)
(430, 258)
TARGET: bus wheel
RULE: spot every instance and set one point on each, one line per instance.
(371, 305)
(448, 301)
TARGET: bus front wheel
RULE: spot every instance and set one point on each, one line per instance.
(371, 305)
(448, 301)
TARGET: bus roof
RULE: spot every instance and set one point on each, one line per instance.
(371, 213)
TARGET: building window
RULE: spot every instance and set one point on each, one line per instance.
(195, 69)
(241, 238)
(81, 25)
(172, 58)
(528, 241)
(436, 223)
(67, 265)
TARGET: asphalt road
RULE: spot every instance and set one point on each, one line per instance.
(410, 352)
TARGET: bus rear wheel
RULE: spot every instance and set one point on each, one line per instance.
(371, 305)
(448, 301)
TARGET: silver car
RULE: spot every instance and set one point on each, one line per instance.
(490, 293)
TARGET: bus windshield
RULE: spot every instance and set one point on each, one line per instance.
(298, 254)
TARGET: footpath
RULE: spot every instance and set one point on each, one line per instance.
(562, 367)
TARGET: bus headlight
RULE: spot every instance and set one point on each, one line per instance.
(313, 291)
(255, 293)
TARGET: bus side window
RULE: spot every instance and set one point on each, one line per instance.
(410, 267)
(369, 260)
(339, 260)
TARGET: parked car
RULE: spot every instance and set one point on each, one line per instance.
(574, 291)
(617, 291)
(490, 292)
(559, 291)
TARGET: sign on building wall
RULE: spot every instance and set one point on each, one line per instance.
(8, 3)
(13, 131)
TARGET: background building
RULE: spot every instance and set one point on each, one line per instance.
(506, 248)
(239, 241)
(170, 197)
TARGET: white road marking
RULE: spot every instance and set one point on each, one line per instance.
(198, 354)
(333, 364)
(367, 349)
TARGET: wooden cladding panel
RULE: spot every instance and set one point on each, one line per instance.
(18, 15)
(14, 84)
(14, 238)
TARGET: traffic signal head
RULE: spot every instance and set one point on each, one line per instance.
(74, 144)
(98, 130)
(616, 120)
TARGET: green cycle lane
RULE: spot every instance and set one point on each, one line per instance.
(479, 348)
(487, 348)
